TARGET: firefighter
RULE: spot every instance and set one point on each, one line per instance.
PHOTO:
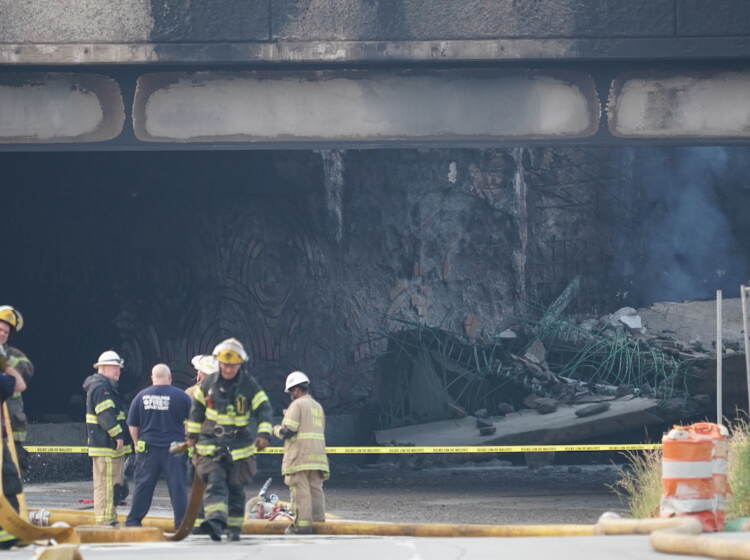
(11, 321)
(219, 429)
(204, 366)
(305, 463)
(108, 436)
(11, 383)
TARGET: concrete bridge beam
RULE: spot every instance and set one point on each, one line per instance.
(370, 108)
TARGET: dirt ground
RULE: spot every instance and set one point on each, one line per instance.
(457, 494)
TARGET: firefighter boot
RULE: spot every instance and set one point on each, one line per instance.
(213, 528)
(234, 534)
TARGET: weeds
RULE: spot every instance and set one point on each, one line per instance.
(738, 504)
(640, 484)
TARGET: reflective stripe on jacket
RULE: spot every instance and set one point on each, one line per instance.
(105, 418)
(219, 406)
(306, 450)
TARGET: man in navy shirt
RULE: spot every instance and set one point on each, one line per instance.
(156, 419)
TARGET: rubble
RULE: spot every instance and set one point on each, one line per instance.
(546, 405)
(536, 353)
(481, 423)
(504, 408)
(592, 409)
(553, 363)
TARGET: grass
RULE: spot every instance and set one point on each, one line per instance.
(640, 484)
(738, 504)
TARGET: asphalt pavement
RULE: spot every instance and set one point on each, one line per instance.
(492, 493)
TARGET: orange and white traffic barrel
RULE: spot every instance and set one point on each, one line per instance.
(694, 473)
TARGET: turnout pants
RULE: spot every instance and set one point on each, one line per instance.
(308, 500)
(149, 466)
(11, 486)
(225, 488)
(108, 471)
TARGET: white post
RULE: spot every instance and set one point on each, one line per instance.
(719, 359)
(743, 297)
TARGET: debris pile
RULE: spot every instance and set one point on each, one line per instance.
(429, 373)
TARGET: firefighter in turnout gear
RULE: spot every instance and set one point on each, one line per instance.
(108, 436)
(204, 366)
(16, 359)
(219, 428)
(305, 464)
(12, 383)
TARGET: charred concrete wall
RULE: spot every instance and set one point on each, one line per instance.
(310, 258)
(305, 256)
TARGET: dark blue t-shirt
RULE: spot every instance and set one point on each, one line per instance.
(159, 412)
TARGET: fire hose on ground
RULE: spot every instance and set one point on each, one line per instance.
(333, 527)
(675, 535)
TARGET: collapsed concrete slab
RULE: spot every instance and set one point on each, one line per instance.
(695, 321)
(529, 427)
(687, 330)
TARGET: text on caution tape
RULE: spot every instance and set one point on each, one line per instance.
(385, 450)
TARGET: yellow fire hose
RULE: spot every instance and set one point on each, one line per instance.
(259, 527)
(435, 529)
(17, 525)
(676, 535)
(612, 524)
(23, 510)
(191, 513)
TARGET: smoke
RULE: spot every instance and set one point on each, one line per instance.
(679, 242)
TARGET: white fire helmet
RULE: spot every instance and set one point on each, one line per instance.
(295, 378)
(109, 358)
(205, 364)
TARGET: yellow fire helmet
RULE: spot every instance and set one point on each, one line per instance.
(11, 316)
(230, 351)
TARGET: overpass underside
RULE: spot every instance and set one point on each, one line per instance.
(154, 74)
(237, 107)
(175, 173)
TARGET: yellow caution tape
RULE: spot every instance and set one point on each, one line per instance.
(55, 449)
(415, 449)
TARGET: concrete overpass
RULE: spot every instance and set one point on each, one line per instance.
(156, 74)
